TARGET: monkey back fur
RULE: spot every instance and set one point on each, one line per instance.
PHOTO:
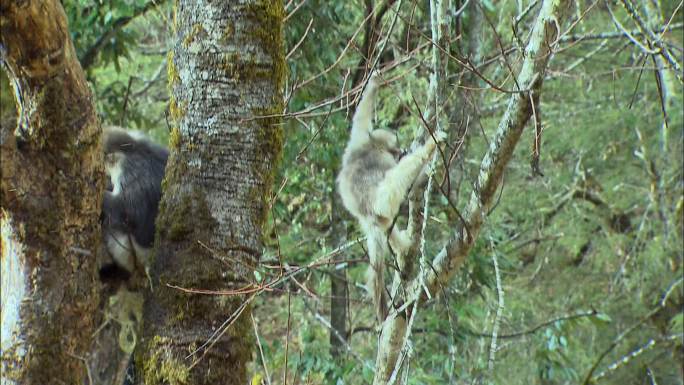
(135, 166)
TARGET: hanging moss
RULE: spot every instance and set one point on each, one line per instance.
(188, 215)
(271, 138)
(176, 110)
(174, 23)
(185, 221)
(267, 17)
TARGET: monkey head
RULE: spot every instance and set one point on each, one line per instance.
(386, 141)
(121, 146)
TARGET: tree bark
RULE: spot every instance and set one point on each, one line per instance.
(339, 292)
(396, 328)
(50, 194)
(225, 72)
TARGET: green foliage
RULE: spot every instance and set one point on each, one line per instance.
(92, 22)
(558, 254)
(122, 46)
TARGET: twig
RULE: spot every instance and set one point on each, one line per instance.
(261, 350)
(663, 51)
(525, 12)
(296, 46)
(88, 58)
(615, 35)
(125, 102)
(218, 334)
(287, 335)
(291, 13)
(542, 325)
(629, 35)
(81, 251)
(633, 354)
(587, 56)
(499, 310)
(153, 79)
(590, 375)
(90, 376)
(651, 376)
(337, 335)
(339, 57)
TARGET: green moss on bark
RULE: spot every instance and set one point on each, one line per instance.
(194, 32)
(268, 21)
(271, 138)
(171, 71)
(160, 367)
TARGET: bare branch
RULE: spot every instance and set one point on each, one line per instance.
(653, 39)
(615, 35)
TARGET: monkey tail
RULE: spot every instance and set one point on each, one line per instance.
(377, 251)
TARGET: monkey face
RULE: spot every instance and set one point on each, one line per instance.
(114, 169)
(385, 140)
(112, 160)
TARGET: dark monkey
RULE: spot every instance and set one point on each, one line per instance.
(135, 169)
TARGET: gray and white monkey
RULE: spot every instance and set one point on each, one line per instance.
(373, 182)
(135, 168)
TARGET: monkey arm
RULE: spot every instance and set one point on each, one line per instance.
(362, 123)
(397, 181)
(113, 209)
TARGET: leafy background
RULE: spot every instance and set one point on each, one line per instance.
(599, 235)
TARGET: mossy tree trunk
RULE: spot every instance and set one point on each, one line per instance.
(51, 188)
(225, 73)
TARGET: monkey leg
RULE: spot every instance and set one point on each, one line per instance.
(400, 241)
(143, 258)
(119, 248)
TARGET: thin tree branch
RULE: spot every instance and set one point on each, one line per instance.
(615, 35)
(624, 360)
(663, 301)
(653, 39)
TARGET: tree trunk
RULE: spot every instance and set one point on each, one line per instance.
(225, 72)
(339, 292)
(51, 188)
